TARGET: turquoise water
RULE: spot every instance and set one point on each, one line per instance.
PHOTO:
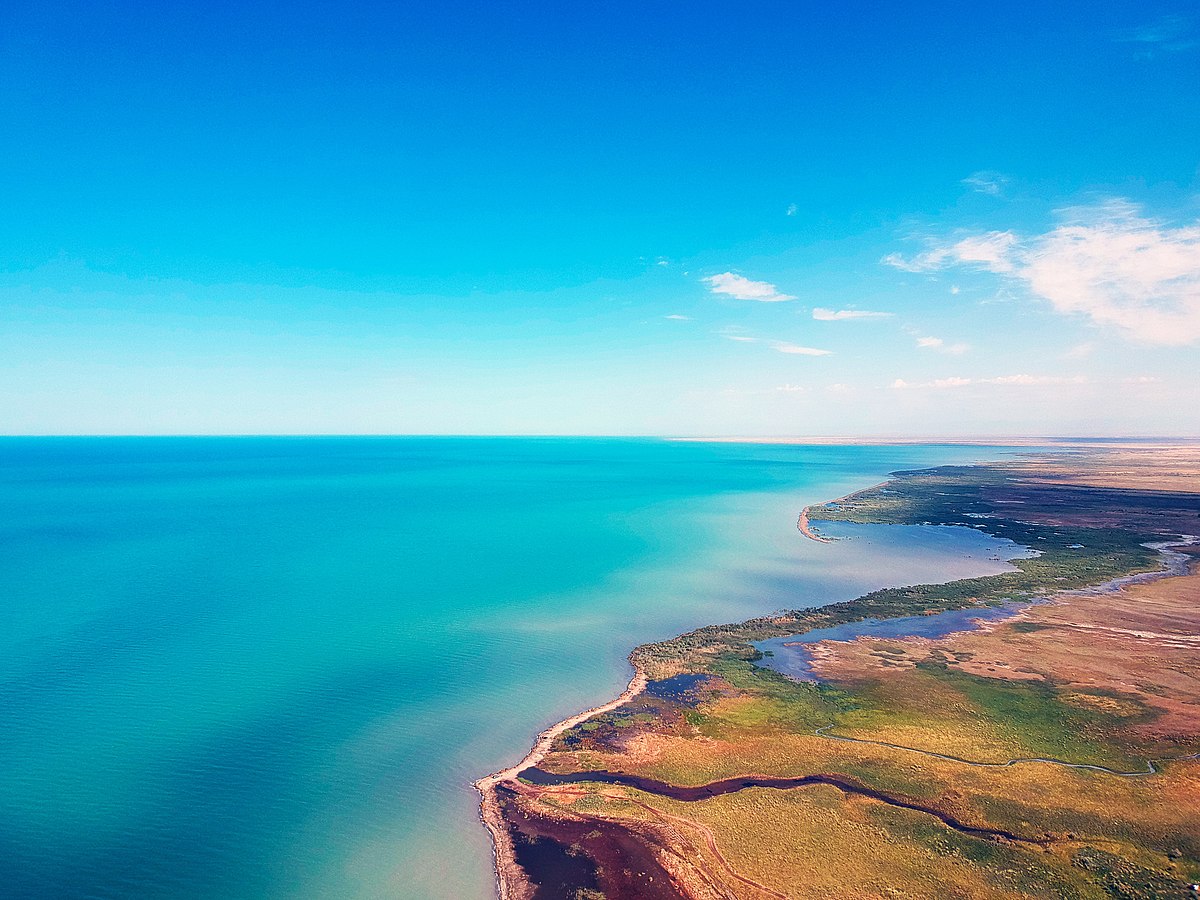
(242, 667)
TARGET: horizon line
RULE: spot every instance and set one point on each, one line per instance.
(996, 439)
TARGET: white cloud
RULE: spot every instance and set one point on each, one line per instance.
(744, 289)
(837, 315)
(1123, 270)
(740, 338)
(929, 342)
(898, 261)
(1106, 262)
(678, 318)
(990, 251)
(784, 347)
(1021, 380)
(1034, 379)
(1080, 351)
(987, 182)
(1142, 379)
(792, 209)
(791, 389)
(951, 382)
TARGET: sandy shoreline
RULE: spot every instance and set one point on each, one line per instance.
(807, 530)
(489, 807)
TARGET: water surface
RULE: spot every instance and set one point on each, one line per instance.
(237, 667)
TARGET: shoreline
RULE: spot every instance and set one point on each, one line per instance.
(503, 853)
(509, 880)
(807, 530)
(505, 868)
(804, 525)
(1175, 564)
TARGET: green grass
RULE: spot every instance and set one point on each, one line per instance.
(1034, 715)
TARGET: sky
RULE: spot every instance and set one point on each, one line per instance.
(784, 219)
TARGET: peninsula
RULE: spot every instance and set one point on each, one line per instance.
(1029, 734)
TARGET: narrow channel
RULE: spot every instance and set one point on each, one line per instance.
(691, 794)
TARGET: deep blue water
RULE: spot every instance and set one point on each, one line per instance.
(244, 667)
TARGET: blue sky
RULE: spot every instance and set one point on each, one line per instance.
(757, 219)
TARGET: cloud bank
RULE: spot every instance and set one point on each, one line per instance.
(1018, 380)
(1106, 262)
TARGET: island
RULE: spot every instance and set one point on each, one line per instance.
(1034, 733)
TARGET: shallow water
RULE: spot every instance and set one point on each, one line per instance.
(271, 667)
(790, 655)
(981, 553)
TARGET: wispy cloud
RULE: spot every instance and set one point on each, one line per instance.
(743, 288)
(987, 182)
(839, 315)
(1166, 34)
(792, 209)
(1079, 351)
(1021, 380)
(678, 318)
(929, 342)
(1106, 261)
(796, 349)
(791, 389)
(991, 251)
(740, 338)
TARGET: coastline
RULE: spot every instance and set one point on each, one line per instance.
(805, 526)
(489, 807)
(507, 882)
(504, 856)
(510, 883)
(807, 530)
